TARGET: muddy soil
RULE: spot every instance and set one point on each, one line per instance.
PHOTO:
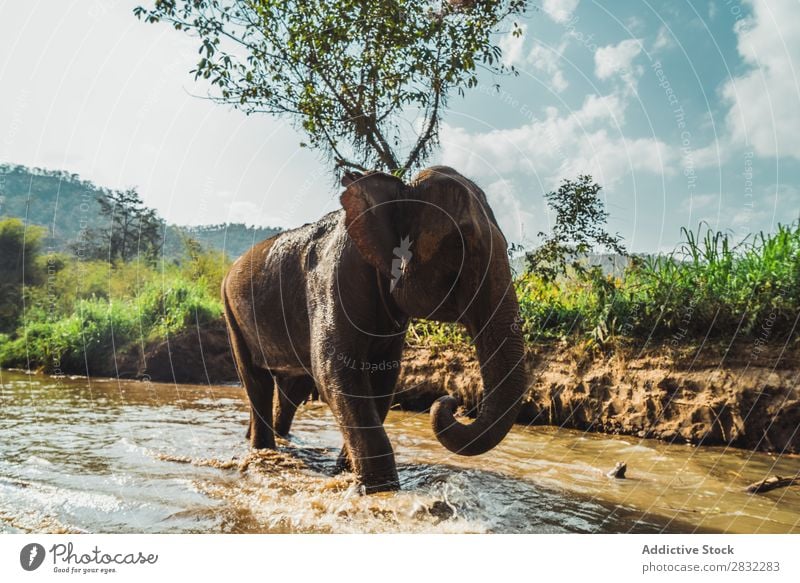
(688, 397)
(715, 396)
(200, 355)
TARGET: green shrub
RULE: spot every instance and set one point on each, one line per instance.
(169, 306)
(710, 287)
(20, 245)
(85, 339)
(98, 327)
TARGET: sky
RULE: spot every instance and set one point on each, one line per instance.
(684, 111)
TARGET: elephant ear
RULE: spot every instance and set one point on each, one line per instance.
(371, 209)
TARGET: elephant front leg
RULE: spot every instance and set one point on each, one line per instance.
(382, 386)
(369, 451)
(366, 443)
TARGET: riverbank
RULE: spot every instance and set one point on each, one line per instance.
(720, 395)
(701, 397)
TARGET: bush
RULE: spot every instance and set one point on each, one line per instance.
(84, 340)
(711, 287)
(86, 337)
(20, 246)
(168, 307)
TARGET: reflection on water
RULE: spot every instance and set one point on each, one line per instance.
(120, 456)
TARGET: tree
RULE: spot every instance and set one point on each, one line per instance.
(347, 72)
(20, 246)
(579, 226)
(204, 265)
(133, 230)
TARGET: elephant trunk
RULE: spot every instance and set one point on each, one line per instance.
(501, 355)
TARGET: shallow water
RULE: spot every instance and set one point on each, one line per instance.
(121, 456)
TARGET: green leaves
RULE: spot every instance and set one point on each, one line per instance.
(579, 227)
(130, 229)
(348, 72)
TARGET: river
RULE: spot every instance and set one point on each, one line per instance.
(102, 455)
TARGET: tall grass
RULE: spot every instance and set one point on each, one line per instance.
(712, 288)
(708, 287)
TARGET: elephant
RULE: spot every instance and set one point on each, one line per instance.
(328, 304)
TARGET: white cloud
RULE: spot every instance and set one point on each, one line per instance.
(702, 202)
(765, 101)
(560, 10)
(634, 24)
(616, 59)
(512, 214)
(541, 57)
(558, 82)
(559, 146)
(600, 108)
(664, 40)
(548, 60)
(512, 46)
(711, 155)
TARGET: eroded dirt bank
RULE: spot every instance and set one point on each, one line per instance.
(740, 397)
(738, 400)
(200, 355)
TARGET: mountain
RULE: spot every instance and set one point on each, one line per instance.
(58, 200)
(66, 204)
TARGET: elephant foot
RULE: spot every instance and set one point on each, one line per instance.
(262, 444)
(377, 477)
(384, 482)
(343, 463)
(372, 484)
(261, 439)
(375, 485)
(259, 432)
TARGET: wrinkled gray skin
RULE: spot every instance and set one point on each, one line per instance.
(315, 305)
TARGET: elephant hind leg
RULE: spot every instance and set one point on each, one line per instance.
(292, 392)
(258, 383)
(260, 387)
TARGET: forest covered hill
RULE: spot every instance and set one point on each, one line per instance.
(64, 204)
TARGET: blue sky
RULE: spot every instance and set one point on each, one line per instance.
(683, 111)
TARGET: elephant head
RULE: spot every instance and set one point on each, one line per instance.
(438, 241)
